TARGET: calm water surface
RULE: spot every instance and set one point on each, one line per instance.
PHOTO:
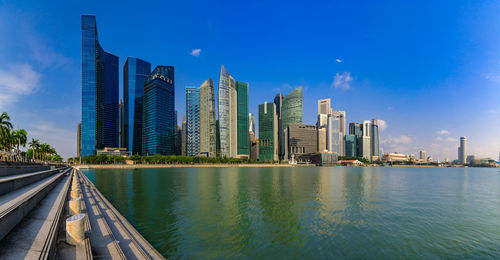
(311, 212)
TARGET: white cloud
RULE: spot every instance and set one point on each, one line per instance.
(443, 132)
(195, 52)
(492, 77)
(338, 60)
(342, 80)
(402, 139)
(16, 81)
(382, 125)
(451, 139)
(63, 140)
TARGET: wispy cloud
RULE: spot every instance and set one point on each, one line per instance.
(338, 60)
(382, 125)
(60, 138)
(443, 132)
(342, 80)
(398, 144)
(495, 77)
(195, 52)
(16, 81)
(402, 139)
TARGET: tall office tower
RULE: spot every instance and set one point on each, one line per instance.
(253, 145)
(79, 140)
(243, 135)
(99, 92)
(183, 136)
(193, 121)
(217, 138)
(462, 150)
(278, 101)
(324, 109)
(207, 119)
(251, 122)
(135, 73)
(158, 130)
(366, 140)
(339, 135)
(268, 134)
(422, 156)
(291, 112)
(350, 145)
(228, 118)
(375, 151)
(120, 123)
(321, 132)
(335, 138)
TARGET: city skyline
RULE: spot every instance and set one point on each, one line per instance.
(402, 129)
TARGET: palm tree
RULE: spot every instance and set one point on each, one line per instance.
(20, 138)
(34, 145)
(5, 123)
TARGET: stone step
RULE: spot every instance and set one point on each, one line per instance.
(14, 182)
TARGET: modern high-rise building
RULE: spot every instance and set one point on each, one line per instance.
(350, 145)
(183, 135)
(462, 150)
(278, 101)
(300, 139)
(100, 107)
(158, 134)
(366, 140)
(192, 121)
(243, 123)
(291, 112)
(422, 156)
(339, 135)
(178, 140)
(228, 118)
(78, 140)
(207, 119)
(120, 124)
(135, 73)
(251, 122)
(375, 150)
(324, 109)
(268, 134)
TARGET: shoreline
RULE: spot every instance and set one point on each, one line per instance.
(141, 166)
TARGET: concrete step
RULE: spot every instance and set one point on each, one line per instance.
(7, 170)
(14, 182)
(15, 205)
(35, 237)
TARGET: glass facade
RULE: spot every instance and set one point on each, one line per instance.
(207, 119)
(243, 123)
(100, 107)
(135, 73)
(268, 135)
(350, 145)
(375, 139)
(227, 114)
(192, 121)
(291, 112)
(158, 136)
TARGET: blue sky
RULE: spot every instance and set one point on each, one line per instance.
(429, 69)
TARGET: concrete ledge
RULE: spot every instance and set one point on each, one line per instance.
(18, 169)
(8, 184)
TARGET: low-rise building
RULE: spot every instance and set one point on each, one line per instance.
(114, 151)
(395, 157)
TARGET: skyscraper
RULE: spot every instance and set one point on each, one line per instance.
(207, 119)
(462, 150)
(193, 121)
(278, 101)
(99, 92)
(183, 136)
(78, 140)
(159, 112)
(338, 136)
(375, 151)
(422, 156)
(366, 140)
(291, 112)
(268, 134)
(243, 134)
(324, 109)
(228, 119)
(135, 72)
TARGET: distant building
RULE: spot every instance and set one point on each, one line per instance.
(243, 123)
(268, 134)
(300, 139)
(350, 145)
(183, 135)
(159, 112)
(278, 101)
(100, 111)
(291, 112)
(192, 121)
(135, 73)
(321, 132)
(109, 151)
(366, 140)
(422, 156)
(375, 140)
(178, 140)
(395, 157)
(207, 119)
(470, 158)
(462, 150)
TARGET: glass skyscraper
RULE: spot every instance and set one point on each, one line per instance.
(227, 114)
(158, 136)
(268, 134)
(100, 103)
(135, 72)
(291, 112)
(192, 121)
(243, 134)
(375, 139)
(207, 119)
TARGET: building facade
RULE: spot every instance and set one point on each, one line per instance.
(278, 101)
(374, 138)
(135, 72)
(291, 112)
(207, 119)
(100, 112)
(366, 140)
(462, 150)
(268, 134)
(159, 112)
(300, 139)
(183, 136)
(192, 121)
(243, 123)
(228, 119)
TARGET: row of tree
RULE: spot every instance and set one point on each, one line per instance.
(12, 140)
(160, 159)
